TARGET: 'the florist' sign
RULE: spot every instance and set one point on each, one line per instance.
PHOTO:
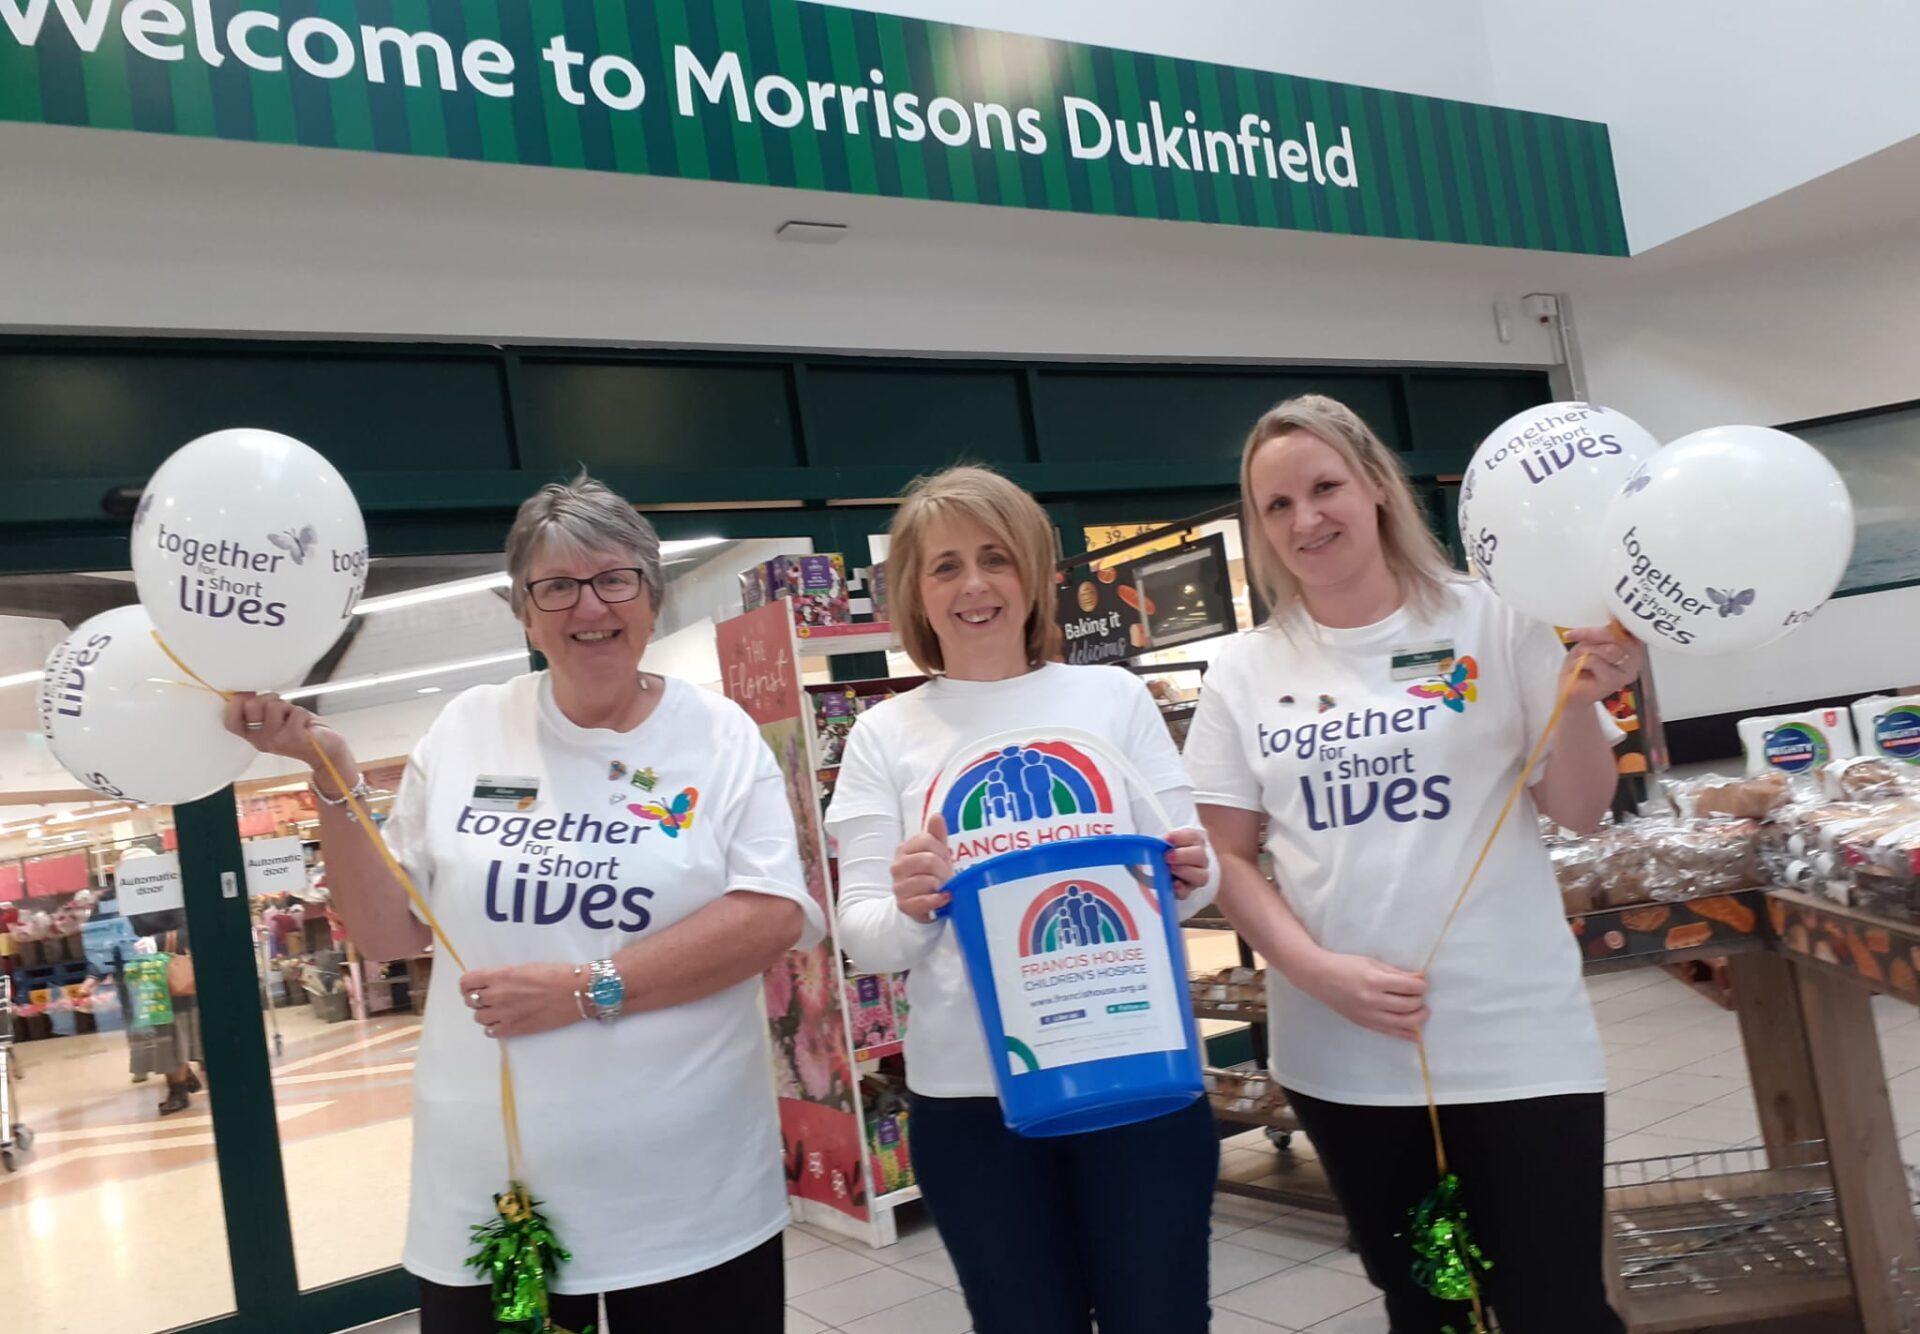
(785, 93)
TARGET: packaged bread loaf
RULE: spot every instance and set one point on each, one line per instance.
(1867, 778)
(1703, 857)
(1741, 798)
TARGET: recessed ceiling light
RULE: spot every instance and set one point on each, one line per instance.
(428, 690)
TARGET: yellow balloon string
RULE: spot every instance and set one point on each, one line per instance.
(1486, 849)
(509, 1109)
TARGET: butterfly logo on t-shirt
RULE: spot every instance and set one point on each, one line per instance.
(1454, 687)
(675, 816)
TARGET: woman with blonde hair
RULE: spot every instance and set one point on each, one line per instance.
(1374, 725)
(1047, 1235)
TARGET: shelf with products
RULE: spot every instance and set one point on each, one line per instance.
(837, 1031)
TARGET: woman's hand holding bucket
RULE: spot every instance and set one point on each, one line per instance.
(921, 865)
(1187, 859)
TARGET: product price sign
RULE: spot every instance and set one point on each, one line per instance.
(1080, 969)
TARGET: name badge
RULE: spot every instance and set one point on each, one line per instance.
(492, 792)
(1417, 662)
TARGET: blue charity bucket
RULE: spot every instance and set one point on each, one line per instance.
(1078, 969)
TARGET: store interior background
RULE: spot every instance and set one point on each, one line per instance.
(1769, 167)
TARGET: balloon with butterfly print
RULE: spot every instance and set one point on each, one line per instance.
(249, 552)
(1726, 540)
(1534, 498)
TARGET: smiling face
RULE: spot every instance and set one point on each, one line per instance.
(1320, 514)
(971, 595)
(591, 639)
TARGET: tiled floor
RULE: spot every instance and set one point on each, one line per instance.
(1678, 1085)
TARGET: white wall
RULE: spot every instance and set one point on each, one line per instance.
(267, 239)
(1776, 336)
(1713, 105)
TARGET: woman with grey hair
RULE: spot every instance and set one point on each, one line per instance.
(613, 850)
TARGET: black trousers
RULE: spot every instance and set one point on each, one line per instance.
(747, 1294)
(1531, 1177)
(1048, 1234)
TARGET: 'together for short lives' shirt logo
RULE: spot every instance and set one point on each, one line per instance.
(556, 871)
(1343, 784)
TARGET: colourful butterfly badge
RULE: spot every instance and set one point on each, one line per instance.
(1454, 687)
(675, 816)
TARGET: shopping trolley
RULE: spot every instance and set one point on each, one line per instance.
(15, 1139)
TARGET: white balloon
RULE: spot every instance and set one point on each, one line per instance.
(249, 553)
(1726, 540)
(115, 715)
(1533, 505)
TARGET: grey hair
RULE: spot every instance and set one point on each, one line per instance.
(578, 518)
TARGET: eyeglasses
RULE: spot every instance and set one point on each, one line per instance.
(562, 593)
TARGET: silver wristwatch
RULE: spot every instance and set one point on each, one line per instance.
(605, 991)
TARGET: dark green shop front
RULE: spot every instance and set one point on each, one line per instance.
(442, 442)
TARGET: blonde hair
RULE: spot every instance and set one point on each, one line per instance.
(1414, 555)
(1016, 522)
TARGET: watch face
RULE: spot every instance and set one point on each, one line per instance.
(606, 991)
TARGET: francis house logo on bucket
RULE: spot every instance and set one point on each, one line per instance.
(1074, 914)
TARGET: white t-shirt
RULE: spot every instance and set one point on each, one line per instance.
(652, 1141)
(892, 760)
(1376, 807)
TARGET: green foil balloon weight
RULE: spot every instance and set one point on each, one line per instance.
(1448, 1262)
(519, 1255)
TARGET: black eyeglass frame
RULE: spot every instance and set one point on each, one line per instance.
(535, 585)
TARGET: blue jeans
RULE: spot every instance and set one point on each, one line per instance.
(1049, 1234)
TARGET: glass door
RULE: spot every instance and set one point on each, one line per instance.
(112, 1212)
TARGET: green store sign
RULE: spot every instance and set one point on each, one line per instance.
(787, 93)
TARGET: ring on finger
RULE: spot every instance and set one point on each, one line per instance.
(255, 727)
(473, 1000)
(493, 1030)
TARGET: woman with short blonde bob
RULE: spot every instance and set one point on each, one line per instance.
(1047, 1235)
(1375, 724)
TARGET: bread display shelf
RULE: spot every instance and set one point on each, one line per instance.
(1239, 993)
(1710, 926)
